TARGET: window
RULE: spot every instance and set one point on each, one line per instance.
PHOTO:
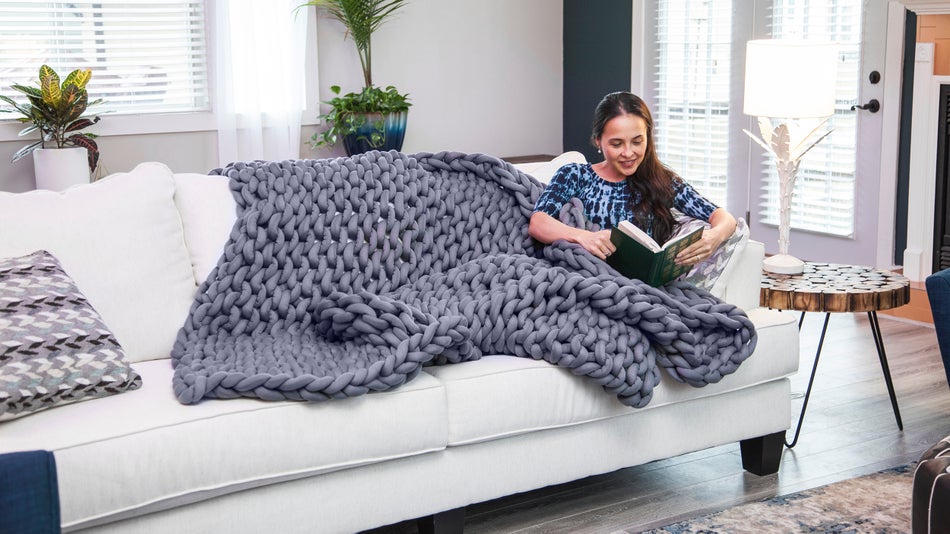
(699, 57)
(145, 56)
(691, 110)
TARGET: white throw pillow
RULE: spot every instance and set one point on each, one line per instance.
(121, 240)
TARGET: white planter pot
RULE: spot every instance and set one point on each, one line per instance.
(58, 168)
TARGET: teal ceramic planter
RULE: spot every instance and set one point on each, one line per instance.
(390, 135)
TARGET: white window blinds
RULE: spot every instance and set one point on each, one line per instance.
(824, 191)
(691, 112)
(145, 56)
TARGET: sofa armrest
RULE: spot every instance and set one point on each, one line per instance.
(742, 285)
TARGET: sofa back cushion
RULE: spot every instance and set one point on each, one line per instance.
(544, 171)
(208, 212)
(121, 240)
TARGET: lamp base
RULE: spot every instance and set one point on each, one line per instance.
(783, 264)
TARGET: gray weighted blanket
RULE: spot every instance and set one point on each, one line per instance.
(346, 276)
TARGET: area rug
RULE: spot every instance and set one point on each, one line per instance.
(878, 503)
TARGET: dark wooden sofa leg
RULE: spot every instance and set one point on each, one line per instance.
(762, 455)
(448, 522)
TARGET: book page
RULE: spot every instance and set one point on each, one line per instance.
(639, 235)
(683, 236)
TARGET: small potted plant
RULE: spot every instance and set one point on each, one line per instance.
(374, 118)
(56, 109)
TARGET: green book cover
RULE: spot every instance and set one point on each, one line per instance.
(639, 256)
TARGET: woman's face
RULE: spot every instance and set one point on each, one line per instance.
(623, 143)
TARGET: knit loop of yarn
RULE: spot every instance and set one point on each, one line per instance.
(346, 276)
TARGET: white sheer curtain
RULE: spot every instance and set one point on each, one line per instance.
(259, 78)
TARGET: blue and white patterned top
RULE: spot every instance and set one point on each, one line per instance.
(607, 203)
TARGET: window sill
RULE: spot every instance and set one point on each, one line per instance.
(154, 123)
(772, 224)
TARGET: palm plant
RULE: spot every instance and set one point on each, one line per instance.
(56, 110)
(361, 18)
(364, 114)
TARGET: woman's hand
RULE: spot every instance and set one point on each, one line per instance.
(701, 249)
(547, 229)
(597, 243)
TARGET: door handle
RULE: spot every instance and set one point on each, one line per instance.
(873, 106)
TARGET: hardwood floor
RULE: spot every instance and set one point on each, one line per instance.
(849, 430)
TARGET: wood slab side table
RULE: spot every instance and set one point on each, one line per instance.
(835, 288)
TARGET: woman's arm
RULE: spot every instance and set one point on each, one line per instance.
(723, 224)
(547, 229)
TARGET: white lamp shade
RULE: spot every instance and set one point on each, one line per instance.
(790, 79)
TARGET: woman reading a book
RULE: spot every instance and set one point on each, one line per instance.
(629, 184)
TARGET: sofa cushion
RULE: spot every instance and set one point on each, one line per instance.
(208, 212)
(54, 347)
(543, 396)
(171, 454)
(121, 240)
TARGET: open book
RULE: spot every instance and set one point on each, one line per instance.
(639, 256)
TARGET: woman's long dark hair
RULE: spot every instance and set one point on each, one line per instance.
(652, 181)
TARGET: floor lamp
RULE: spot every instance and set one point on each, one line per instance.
(790, 87)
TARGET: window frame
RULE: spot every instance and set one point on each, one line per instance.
(193, 121)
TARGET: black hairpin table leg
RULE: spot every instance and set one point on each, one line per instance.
(882, 356)
(879, 343)
(811, 379)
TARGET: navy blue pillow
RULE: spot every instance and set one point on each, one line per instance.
(29, 495)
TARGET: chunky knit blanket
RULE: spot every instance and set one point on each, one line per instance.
(346, 276)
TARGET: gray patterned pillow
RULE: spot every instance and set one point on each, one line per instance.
(54, 347)
(706, 273)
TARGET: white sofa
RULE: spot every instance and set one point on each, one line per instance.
(139, 243)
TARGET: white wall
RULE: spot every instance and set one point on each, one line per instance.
(483, 76)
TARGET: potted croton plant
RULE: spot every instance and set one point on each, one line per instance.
(374, 118)
(63, 155)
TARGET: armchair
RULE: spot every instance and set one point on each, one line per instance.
(938, 291)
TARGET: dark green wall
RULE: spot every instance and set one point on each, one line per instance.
(597, 58)
(903, 158)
